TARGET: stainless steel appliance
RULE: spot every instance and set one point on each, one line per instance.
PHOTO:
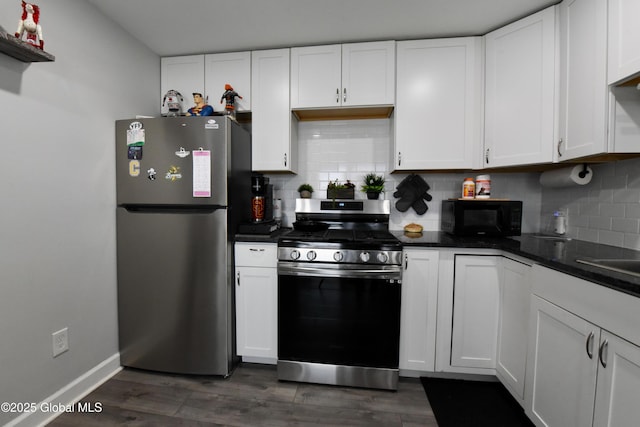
(339, 287)
(489, 217)
(183, 185)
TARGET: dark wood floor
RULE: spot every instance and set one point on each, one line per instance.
(252, 396)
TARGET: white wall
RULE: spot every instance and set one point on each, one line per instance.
(57, 221)
(349, 149)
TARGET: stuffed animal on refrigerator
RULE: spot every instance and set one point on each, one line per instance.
(174, 100)
(30, 23)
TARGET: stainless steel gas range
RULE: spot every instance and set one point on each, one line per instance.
(339, 288)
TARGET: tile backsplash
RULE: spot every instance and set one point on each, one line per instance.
(349, 149)
(607, 210)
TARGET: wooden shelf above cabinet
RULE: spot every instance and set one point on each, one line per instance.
(344, 113)
(22, 51)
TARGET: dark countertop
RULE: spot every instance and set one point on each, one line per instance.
(559, 255)
(263, 238)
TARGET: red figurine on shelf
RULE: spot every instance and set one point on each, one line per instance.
(229, 96)
(30, 22)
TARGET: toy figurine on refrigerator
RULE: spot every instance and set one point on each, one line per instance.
(173, 100)
(30, 23)
(229, 96)
(201, 108)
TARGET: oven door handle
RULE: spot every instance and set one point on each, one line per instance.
(392, 272)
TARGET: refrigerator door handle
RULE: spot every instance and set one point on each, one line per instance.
(171, 209)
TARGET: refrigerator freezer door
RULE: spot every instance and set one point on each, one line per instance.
(155, 161)
(174, 295)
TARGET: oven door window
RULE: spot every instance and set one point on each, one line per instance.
(338, 320)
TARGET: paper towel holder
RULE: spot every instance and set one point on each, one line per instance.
(584, 172)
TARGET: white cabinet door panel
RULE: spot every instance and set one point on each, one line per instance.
(232, 68)
(618, 383)
(475, 311)
(561, 367)
(418, 310)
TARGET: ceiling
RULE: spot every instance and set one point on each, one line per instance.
(183, 27)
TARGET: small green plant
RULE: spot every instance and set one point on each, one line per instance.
(337, 185)
(305, 187)
(373, 183)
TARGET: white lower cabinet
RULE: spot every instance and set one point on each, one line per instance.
(513, 324)
(475, 311)
(418, 309)
(579, 373)
(257, 301)
(618, 383)
(562, 367)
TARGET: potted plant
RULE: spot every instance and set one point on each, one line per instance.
(373, 185)
(305, 191)
(337, 190)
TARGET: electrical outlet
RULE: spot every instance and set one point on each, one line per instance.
(60, 342)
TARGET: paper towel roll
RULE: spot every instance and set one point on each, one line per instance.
(566, 177)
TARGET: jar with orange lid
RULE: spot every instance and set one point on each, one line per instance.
(468, 188)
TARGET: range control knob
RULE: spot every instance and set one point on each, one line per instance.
(364, 256)
(311, 255)
(338, 256)
(295, 254)
(382, 257)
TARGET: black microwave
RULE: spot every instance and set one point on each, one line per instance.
(475, 217)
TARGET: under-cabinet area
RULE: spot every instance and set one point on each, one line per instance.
(566, 348)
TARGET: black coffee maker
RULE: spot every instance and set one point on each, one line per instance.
(262, 221)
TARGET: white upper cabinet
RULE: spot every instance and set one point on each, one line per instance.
(274, 138)
(520, 98)
(184, 74)
(583, 79)
(438, 104)
(358, 74)
(624, 39)
(232, 68)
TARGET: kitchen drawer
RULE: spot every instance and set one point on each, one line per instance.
(256, 254)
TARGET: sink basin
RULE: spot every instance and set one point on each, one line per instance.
(627, 266)
(551, 237)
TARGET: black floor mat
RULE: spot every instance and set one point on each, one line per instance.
(459, 403)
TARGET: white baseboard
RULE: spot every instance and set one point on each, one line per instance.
(65, 398)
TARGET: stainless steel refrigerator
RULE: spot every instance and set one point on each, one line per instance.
(183, 186)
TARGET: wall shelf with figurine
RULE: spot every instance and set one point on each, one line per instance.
(21, 50)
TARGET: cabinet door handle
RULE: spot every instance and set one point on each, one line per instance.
(589, 344)
(406, 261)
(559, 144)
(344, 95)
(486, 156)
(238, 278)
(601, 354)
(285, 159)
(256, 250)
(337, 95)
(399, 158)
